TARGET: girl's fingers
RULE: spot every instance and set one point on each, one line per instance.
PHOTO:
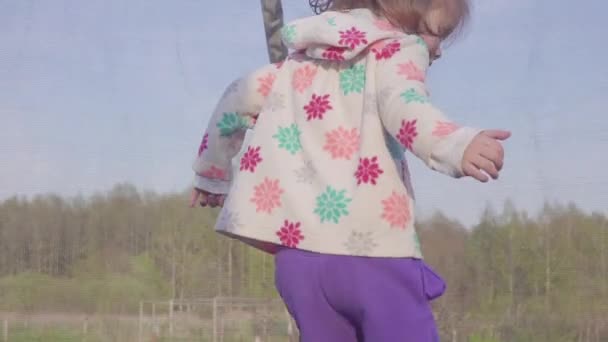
(194, 197)
(497, 134)
(212, 200)
(486, 165)
(472, 171)
(494, 153)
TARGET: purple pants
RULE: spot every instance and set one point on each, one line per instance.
(348, 299)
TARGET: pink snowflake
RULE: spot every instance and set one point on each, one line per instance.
(407, 133)
(334, 53)
(411, 71)
(290, 234)
(444, 128)
(317, 107)
(214, 173)
(368, 171)
(386, 51)
(266, 83)
(397, 211)
(342, 143)
(267, 196)
(204, 144)
(303, 77)
(251, 159)
(352, 38)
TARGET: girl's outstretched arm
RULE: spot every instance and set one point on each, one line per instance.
(406, 112)
(236, 112)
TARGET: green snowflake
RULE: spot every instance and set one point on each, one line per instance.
(352, 80)
(411, 95)
(230, 123)
(289, 33)
(289, 138)
(332, 204)
(421, 41)
(331, 21)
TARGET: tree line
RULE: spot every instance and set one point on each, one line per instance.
(511, 277)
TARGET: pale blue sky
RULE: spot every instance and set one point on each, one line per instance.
(103, 91)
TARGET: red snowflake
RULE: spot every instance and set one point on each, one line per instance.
(407, 133)
(334, 53)
(251, 159)
(317, 107)
(352, 38)
(204, 144)
(214, 173)
(387, 51)
(290, 234)
(368, 171)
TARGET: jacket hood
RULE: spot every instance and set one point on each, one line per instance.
(339, 36)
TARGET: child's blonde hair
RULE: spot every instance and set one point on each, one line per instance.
(409, 15)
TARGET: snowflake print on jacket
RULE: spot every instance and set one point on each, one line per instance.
(266, 83)
(396, 211)
(289, 33)
(368, 171)
(342, 143)
(204, 144)
(289, 138)
(303, 77)
(230, 123)
(386, 51)
(411, 71)
(334, 53)
(360, 243)
(214, 173)
(306, 173)
(443, 128)
(352, 38)
(332, 205)
(352, 80)
(407, 133)
(411, 95)
(275, 102)
(251, 159)
(267, 196)
(317, 106)
(290, 234)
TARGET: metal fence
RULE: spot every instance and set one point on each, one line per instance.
(215, 320)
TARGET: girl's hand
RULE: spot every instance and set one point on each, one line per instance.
(485, 153)
(205, 198)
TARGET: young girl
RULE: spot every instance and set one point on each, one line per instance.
(323, 183)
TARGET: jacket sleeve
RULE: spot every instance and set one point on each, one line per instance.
(236, 112)
(408, 115)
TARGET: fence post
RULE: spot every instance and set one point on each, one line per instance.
(140, 323)
(5, 330)
(214, 319)
(171, 319)
(85, 328)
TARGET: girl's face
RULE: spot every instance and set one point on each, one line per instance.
(433, 43)
(434, 28)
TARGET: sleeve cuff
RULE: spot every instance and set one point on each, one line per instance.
(447, 155)
(214, 186)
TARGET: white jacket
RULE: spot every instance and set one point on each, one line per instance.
(324, 170)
